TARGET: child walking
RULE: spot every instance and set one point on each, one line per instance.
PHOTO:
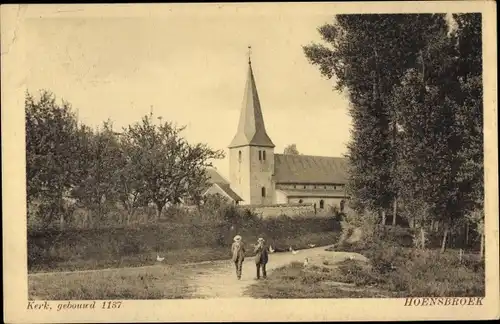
(261, 257)
(238, 250)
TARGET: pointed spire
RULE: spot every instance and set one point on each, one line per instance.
(251, 128)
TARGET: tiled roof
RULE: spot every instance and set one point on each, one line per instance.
(215, 177)
(312, 193)
(290, 168)
(251, 128)
(227, 189)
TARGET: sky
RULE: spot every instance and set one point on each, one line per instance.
(190, 69)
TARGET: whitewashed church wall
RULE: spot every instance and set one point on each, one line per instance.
(281, 198)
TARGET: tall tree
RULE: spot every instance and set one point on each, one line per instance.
(100, 161)
(367, 55)
(51, 145)
(442, 140)
(169, 167)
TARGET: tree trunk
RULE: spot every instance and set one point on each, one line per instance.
(383, 217)
(159, 208)
(61, 221)
(445, 237)
(481, 252)
(467, 234)
(394, 211)
(422, 237)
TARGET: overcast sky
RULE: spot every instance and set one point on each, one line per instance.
(191, 68)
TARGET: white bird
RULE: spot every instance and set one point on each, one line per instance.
(312, 245)
(351, 257)
(306, 262)
(271, 250)
(293, 251)
(159, 259)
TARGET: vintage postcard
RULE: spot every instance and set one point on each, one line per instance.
(249, 162)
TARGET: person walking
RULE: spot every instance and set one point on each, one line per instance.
(238, 250)
(261, 257)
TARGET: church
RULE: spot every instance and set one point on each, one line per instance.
(260, 177)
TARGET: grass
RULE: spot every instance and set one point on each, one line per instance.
(393, 271)
(175, 256)
(157, 282)
(294, 281)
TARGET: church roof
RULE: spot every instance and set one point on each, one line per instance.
(251, 128)
(291, 168)
(228, 191)
(215, 177)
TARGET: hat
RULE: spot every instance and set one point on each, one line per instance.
(237, 238)
(260, 239)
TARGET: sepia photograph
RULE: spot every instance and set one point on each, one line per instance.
(241, 153)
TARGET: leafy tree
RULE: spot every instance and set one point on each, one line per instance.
(442, 143)
(51, 145)
(100, 161)
(366, 55)
(291, 150)
(169, 168)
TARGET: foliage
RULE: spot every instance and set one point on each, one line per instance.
(291, 150)
(99, 163)
(415, 91)
(171, 168)
(72, 167)
(51, 148)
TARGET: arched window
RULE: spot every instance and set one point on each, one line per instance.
(321, 204)
(300, 201)
(239, 156)
(263, 191)
(260, 155)
(264, 155)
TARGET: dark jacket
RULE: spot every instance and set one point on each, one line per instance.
(261, 254)
(238, 251)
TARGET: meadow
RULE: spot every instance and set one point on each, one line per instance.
(393, 270)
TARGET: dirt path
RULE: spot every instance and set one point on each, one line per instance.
(219, 280)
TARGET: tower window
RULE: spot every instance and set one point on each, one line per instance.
(239, 156)
(260, 155)
(263, 191)
(321, 204)
(264, 155)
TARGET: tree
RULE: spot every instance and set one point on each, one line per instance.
(291, 150)
(442, 141)
(51, 147)
(366, 56)
(100, 160)
(169, 168)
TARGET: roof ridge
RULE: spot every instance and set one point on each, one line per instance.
(315, 156)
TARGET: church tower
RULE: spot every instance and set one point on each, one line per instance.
(251, 152)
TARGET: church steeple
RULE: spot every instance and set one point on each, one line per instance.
(251, 130)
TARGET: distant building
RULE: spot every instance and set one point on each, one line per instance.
(258, 176)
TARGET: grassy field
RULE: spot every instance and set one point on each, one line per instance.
(392, 272)
(294, 281)
(81, 249)
(176, 256)
(156, 282)
(149, 281)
